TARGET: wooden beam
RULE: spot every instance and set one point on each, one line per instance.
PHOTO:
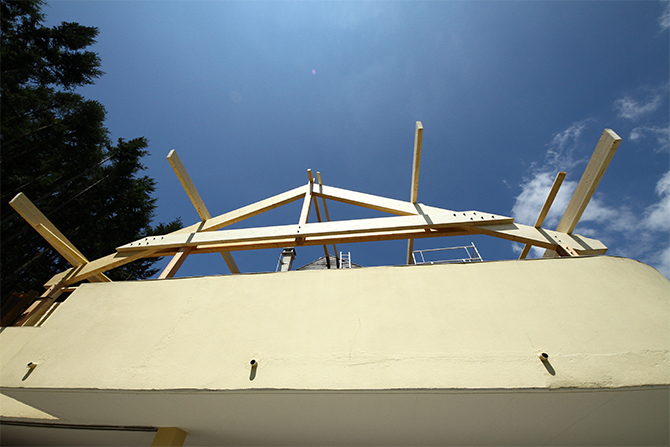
(318, 215)
(35, 312)
(600, 160)
(188, 185)
(418, 138)
(365, 230)
(175, 263)
(245, 212)
(542, 238)
(50, 233)
(200, 207)
(378, 203)
(304, 212)
(558, 181)
(306, 230)
(77, 274)
(512, 232)
(414, 190)
(325, 210)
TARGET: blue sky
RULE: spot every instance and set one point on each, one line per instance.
(252, 94)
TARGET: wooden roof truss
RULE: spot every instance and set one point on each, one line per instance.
(410, 220)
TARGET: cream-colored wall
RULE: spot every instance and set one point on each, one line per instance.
(604, 321)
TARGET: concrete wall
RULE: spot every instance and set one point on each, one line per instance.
(604, 321)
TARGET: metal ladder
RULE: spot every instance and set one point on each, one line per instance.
(345, 260)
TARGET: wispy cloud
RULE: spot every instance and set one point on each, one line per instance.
(646, 100)
(632, 108)
(661, 134)
(664, 20)
(561, 152)
(644, 236)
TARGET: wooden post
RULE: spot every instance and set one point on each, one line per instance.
(169, 437)
(318, 216)
(414, 191)
(306, 203)
(325, 210)
(558, 181)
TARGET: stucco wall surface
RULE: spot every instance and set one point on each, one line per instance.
(604, 321)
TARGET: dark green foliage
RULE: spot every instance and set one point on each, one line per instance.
(56, 150)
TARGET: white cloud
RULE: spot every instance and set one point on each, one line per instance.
(646, 101)
(632, 109)
(560, 155)
(664, 19)
(662, 135)
(657, 216)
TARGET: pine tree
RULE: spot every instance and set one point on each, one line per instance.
(56, 150)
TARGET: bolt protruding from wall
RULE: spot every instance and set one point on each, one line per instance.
(254, 363)
(544, 357)
(31, 365)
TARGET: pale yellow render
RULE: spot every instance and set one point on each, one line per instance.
(431, 332)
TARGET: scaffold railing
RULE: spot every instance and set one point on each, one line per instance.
(433, 255)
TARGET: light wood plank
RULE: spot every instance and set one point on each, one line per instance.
(199, 205)
(440, 220)
(418, 138)
(370, 201)
(175, 263)
(50, 233)
(410, 249)
(188, 185)
(245, 212)
(325, 209)
(558, 181)
(109, 262)
(600, 160)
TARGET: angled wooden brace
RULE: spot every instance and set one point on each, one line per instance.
(325, 210)
(558, 181)
(600, 160)
(171, 269)
(318, 215)
(414, 190)
(50, 233)
(306, 205)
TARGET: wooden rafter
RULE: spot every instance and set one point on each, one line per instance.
(231, 217)
(171, 269)
(50, 233)
(600, 160)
